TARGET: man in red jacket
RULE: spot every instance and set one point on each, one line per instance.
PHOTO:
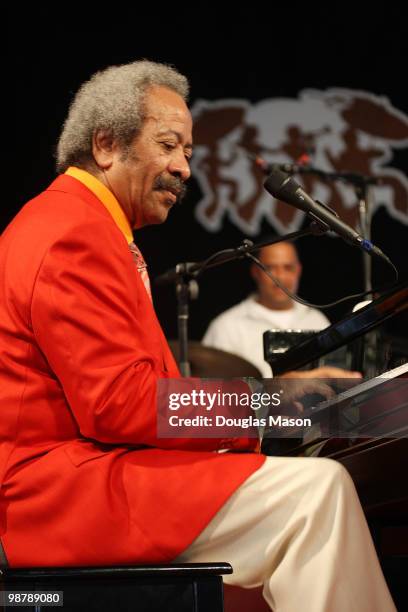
(84, 477)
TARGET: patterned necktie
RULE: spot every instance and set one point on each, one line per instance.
(141, 266)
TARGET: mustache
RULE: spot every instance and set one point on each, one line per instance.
(171, 183)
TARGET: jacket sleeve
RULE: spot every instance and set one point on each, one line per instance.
(95, 324)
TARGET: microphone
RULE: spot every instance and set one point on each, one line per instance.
(174, 275)
(168, 277)
(285, 188)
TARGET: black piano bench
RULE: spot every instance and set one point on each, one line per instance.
(192, 587)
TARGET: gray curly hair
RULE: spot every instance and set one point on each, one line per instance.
(112, 100)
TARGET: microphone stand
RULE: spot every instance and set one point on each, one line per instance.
(361, 184)
(362, 193)
(186, 289)
(185, 275)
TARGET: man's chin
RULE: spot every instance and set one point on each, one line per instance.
(158, 209)
(281, 302)
(159, 215)
(280, 296)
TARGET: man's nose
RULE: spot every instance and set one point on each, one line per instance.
(179, 166)
(280, 274)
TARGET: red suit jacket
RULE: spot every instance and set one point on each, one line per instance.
(84, 479)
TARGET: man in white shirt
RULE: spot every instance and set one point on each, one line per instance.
(239, 329)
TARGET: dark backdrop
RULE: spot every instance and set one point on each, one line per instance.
(249, 53)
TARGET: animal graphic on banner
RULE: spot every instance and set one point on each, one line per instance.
(336, 130)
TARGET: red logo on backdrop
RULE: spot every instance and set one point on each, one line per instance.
(337, 129)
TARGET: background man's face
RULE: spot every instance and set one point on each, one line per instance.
(282, 261)
(149, 180)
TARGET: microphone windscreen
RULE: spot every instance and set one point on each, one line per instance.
(282, 186)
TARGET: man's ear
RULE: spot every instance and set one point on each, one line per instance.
(103, 149)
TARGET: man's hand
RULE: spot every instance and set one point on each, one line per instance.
(297, 385)
(322, 372)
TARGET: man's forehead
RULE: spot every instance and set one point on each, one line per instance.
(168, 120)
(161, 102)
(165, 114)
(279, 252)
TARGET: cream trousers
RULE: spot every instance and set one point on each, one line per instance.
(297, 527)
